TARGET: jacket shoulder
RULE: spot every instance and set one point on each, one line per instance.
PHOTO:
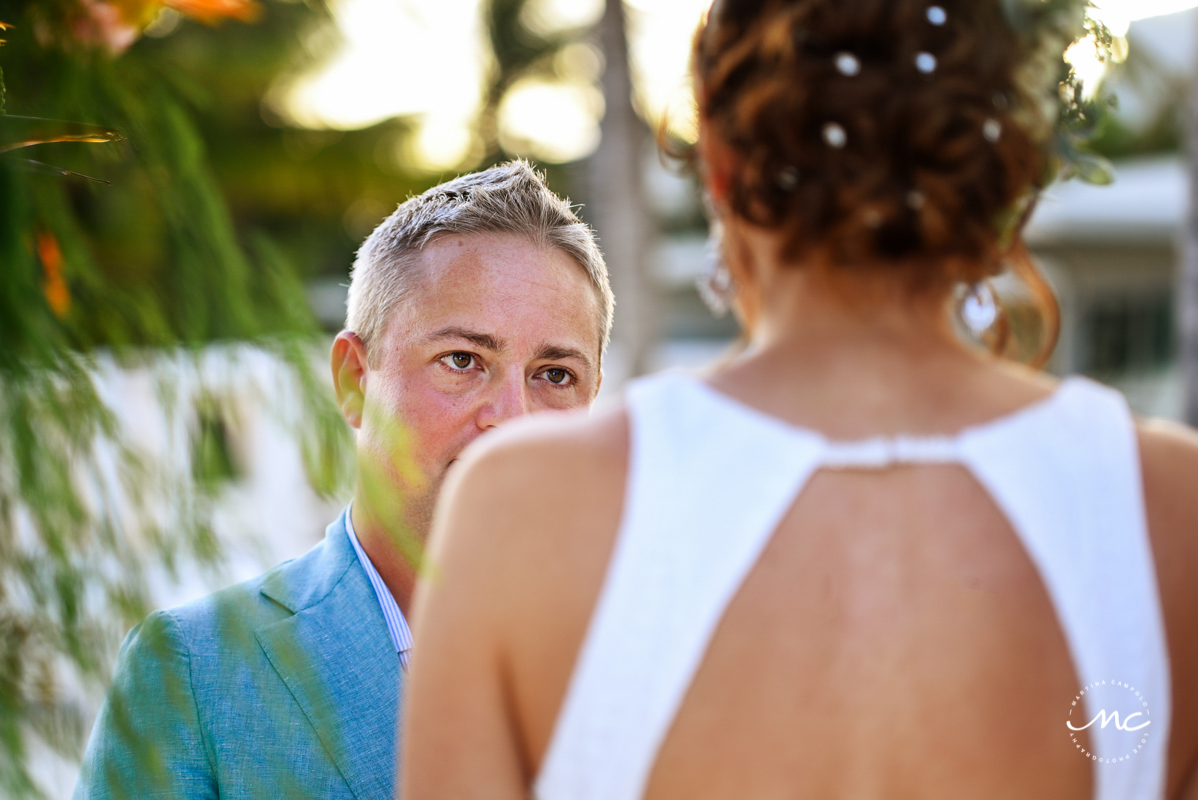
(148, 740)
(239, 610)
(207, 623)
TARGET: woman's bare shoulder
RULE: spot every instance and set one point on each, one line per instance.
(1169, 463)
(533, 481)
(1169, 459)
(547, 451)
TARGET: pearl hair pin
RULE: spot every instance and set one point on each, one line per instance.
(847, 64)
(787, 179)
(992, 130)
(937, 15)
(925, 63)
(835, 136)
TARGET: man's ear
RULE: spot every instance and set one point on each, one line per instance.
(349, 376)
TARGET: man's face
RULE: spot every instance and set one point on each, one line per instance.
(493, 328)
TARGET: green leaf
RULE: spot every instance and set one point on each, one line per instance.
(1093, 169)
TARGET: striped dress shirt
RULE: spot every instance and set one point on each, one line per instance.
(397, 626)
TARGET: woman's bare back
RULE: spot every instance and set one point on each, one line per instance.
(909, 654)
(894, 639)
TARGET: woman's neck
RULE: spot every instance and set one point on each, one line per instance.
(857, 353)
(860, 307)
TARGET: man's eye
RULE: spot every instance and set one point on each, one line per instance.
(458, 361)
(558, 376)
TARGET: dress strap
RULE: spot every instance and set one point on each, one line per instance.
(690, 534)
(1069, 482)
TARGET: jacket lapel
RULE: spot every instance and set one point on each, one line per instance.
(339, 664)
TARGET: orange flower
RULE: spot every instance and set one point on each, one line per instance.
(212, 11)
(58, 295)
(116, 24)
(113, 26)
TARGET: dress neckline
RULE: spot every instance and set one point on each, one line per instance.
(888, 448)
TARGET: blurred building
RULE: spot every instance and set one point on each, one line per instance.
(1111, 253)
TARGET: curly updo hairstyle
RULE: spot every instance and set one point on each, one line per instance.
(877, 132)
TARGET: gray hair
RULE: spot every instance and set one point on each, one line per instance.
(508, 198)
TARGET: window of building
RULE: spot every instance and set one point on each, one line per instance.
(1128, 334)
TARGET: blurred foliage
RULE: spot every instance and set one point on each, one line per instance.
(314, 193)
(1058, 108)
(156, 206)
(1116, 139)
(197, 225)
(519, 52)
(1162, 97)
(523, 50)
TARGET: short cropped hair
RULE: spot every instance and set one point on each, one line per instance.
(508, 198)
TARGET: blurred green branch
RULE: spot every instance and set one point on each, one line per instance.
(147, 273)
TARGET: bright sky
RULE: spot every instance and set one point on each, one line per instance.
(429, 58)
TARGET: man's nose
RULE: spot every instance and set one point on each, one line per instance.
(508, 399)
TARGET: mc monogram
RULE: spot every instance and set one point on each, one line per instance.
(1125, 725)
(1117, 695)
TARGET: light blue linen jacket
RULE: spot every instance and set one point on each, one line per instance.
(287, 685)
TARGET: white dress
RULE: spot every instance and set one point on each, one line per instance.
(709, 481)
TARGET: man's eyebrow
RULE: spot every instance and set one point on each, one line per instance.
(486, 341)
(552, 352)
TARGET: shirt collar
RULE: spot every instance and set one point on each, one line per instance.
(397, 626)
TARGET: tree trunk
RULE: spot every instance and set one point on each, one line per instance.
(1187, 284)
(618, 207)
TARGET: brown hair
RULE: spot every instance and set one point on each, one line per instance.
(883, 132)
